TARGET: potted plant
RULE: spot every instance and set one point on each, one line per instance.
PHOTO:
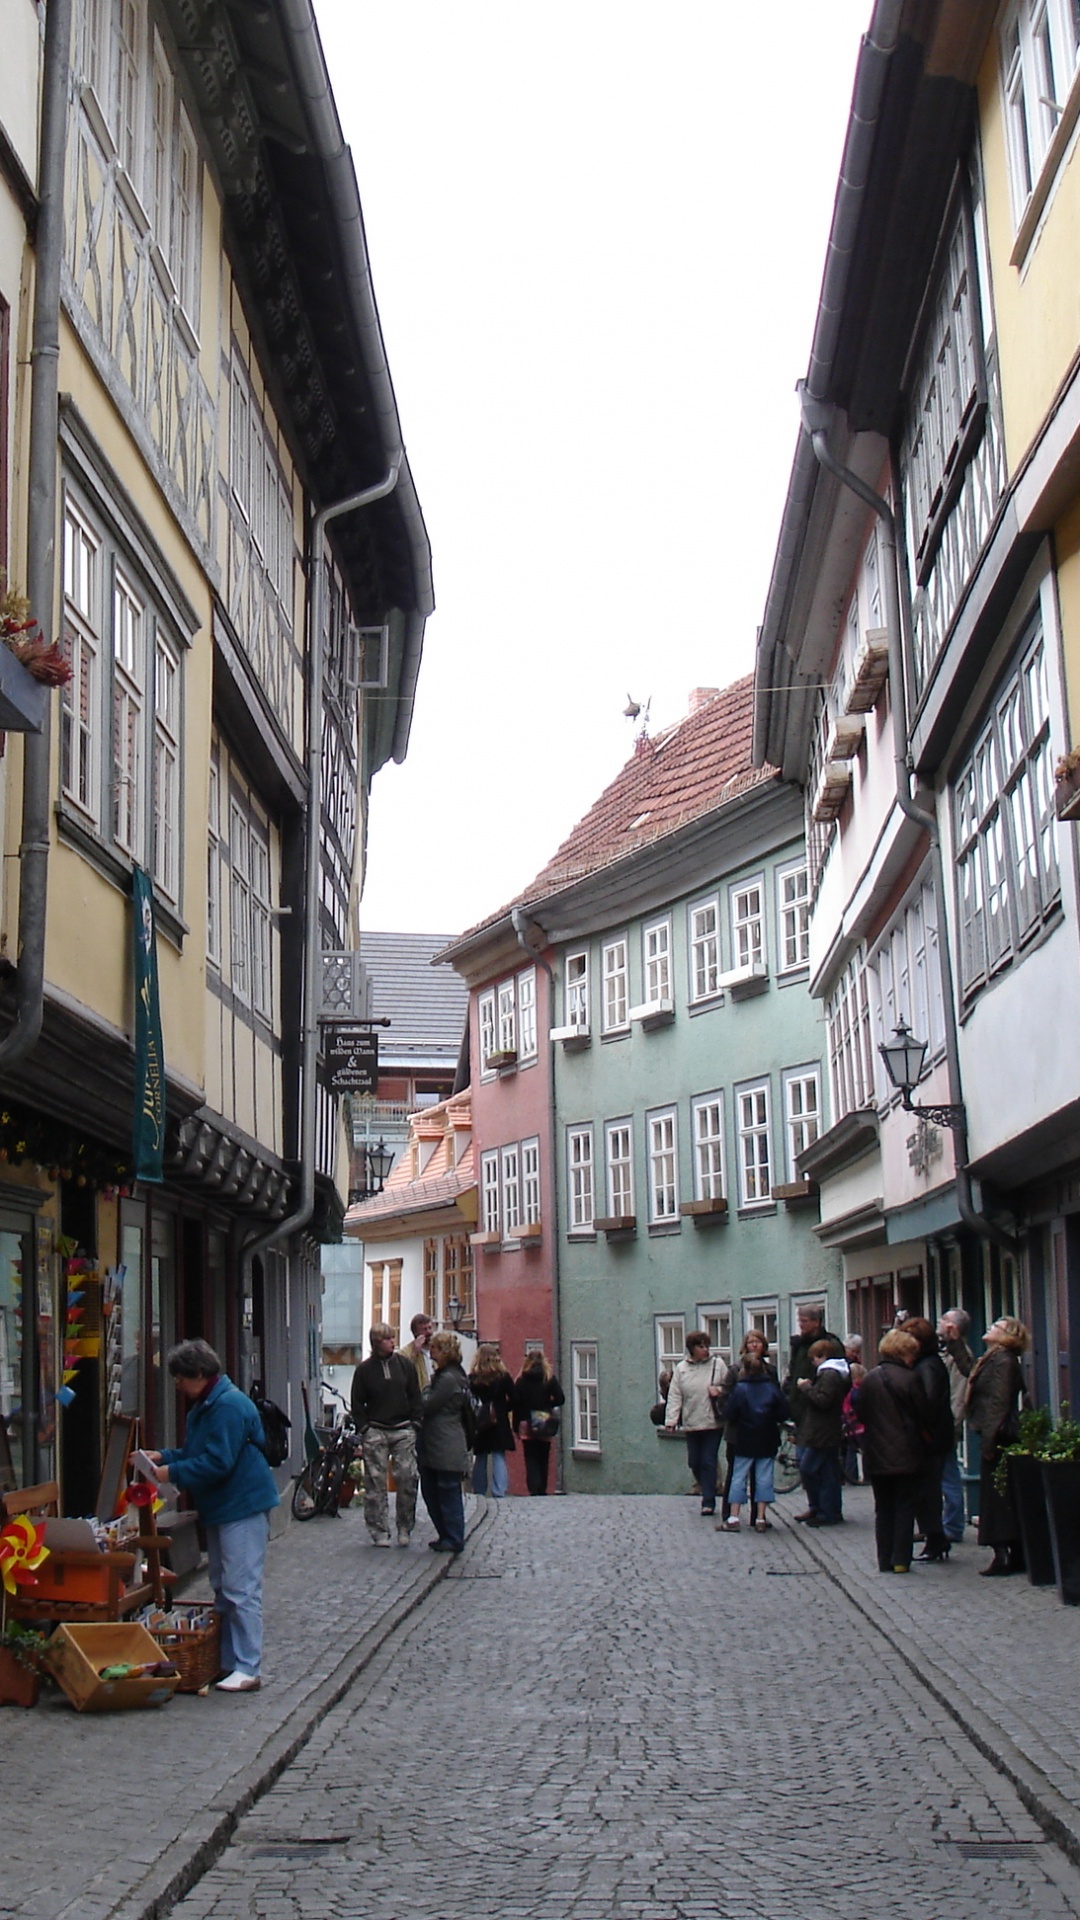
(1019, 1474)
(20, 1672)
(1060, 1457)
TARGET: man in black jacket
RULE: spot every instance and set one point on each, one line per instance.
(801, 1367)
(387, 1410)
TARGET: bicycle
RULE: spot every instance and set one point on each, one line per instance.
(786, 1475)
(318, 1488)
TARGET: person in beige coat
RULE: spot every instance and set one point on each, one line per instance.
(692, 1401)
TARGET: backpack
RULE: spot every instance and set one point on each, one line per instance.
(275, 1442)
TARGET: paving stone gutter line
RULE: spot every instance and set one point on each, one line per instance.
(1057, 1815)
(206, 1837)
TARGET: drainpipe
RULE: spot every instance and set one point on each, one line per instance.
(309, 1018)
(41, 530)
(817, 418)
(527, 932)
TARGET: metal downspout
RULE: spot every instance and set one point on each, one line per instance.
(41, 531)
(309, 1022)
(521, 923)
(817, 418)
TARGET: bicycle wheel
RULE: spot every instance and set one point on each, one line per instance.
(303, 1494)
(329, 1492)
(786, 1475)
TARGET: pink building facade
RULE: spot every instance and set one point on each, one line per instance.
(515, 1243)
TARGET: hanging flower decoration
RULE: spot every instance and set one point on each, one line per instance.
(22, 1550)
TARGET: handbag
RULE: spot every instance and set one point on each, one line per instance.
(544, 1423)
(658, 1414)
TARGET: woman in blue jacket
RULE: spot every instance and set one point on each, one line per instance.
(754, 1410)
(222, 1465)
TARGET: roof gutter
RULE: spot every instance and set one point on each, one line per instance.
(309, 1021)
(313, 86)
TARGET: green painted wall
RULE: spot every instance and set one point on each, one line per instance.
(611, 1292)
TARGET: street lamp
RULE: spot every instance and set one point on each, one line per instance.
(456, 1310)
(376, 1163)
(905, 1064)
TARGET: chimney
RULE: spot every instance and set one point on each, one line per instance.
(701, 696)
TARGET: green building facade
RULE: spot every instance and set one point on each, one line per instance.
(688, 1076)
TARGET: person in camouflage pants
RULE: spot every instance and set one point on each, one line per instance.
(386, 1409)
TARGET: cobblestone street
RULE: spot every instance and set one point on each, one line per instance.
(609, 1712)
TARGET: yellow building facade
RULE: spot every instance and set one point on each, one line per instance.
(221, 390)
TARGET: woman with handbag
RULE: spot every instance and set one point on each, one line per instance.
(693, 1404)
(994, 1395)
(493, 1390)
(537, 1398)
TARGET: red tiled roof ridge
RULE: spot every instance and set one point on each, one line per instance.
(716, 768)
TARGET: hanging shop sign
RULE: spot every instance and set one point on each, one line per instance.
(148, 1133)
(352, 1059)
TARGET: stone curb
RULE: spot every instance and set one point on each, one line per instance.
(1057, 1816)
(186, 1860)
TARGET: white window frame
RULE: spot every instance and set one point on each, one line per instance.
(703, 940)
(213, 864)
(81, 723)
(802, 1112)
(907, 969)
(762, 1315)
(580, 1179)
(585, 1381)
(129, 626)
(748, 948)
(1040, 52)
(250, 925)
(753, 1126)
(662, 1157)
(490, 1193)
(707, 1123)
(656, 960)
(669, 1340)
(526, 1014)
(510, 1186)
(485, 1016)
(615, 973)
(165, 799)
(506, 1017)
(576, 995)
(713, 1318)
(530, 1182)
(1008, 876)
(619, 1167)
(793, 917)
(851, 1053)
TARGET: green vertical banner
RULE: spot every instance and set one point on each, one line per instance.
(148, 1138)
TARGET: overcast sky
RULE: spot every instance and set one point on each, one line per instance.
(597, 231)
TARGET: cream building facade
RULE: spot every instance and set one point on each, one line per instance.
(235, 644)
(918, 670)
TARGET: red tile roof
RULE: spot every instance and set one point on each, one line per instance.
(669, 780)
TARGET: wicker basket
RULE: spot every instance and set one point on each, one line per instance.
(195, 1653)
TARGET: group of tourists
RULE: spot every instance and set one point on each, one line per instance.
(422, 1417)
(903, 1418)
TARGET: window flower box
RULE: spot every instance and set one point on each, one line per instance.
(616, 1223)
(870, 670)
(704, 1212)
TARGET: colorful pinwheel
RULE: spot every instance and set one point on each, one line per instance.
(22, 1549)
(142, 1494)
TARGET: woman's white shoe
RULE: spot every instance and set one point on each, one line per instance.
(239, 1683)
